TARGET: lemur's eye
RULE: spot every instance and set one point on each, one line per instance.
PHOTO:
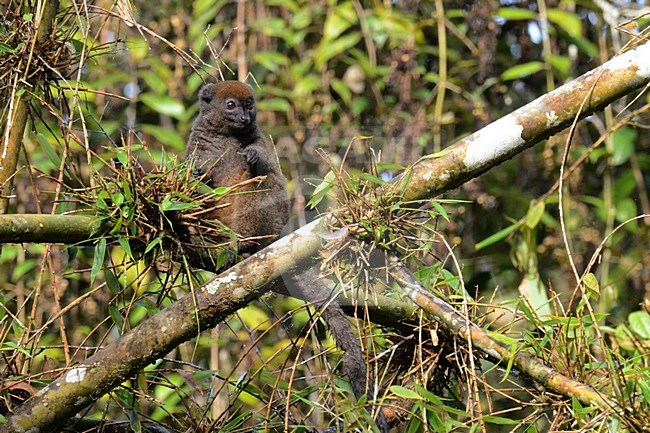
(230, 104)
(249, 104)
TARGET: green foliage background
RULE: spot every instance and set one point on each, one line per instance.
(414, 76)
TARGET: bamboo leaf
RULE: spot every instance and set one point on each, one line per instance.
(500, 235)
(520, 71)
(98, 259)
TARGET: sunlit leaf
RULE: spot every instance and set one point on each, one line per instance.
(640, 324)
(591, 283)
(163, 104)
(523, 70)
(342, 19)
(327, 50)
(516, 14)
(322, 189)
(402, 392)
(568, 21)
(271, 60)
(166, 136)
(498, 236)
(274, 104)
(535, 214)
(532, 288)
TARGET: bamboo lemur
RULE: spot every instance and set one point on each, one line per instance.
(227, 144)
(227, 147)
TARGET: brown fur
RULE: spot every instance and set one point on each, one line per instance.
(226, 146)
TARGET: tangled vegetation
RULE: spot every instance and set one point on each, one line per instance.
(111, 93)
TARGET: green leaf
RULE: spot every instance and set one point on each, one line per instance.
(343, 18)
(220, 190)
(169, 205)
(47, 148)
(500, 420)
(302, 18)
(152, 245)
(116, 316)
(222, 257)
(591, 283)
(645, 390)
(163, 104)
(118, 199)
(330, 49)
(535, 214)
(523, 70)
(562, 64)
(98, 259)
(402, 392)
(124, 243)
(237, 422)
(501, 234)
(342, 89)
(567, 21)
(14, 346)
(122, 157)
(306, 86)
(271, 60)
(112, 282)
(389, 166)
(166, 136)
(22, 268)
(428, 395)
(623, 143)
(275, 104)
(640, 324)
(625, 209)
(509, 341)
(586, 46)
(4, 48)
(624, 337)
(322, 189)
(414, 425)
(440, 210)
(372, 179)
(516, 14)
(533, 289)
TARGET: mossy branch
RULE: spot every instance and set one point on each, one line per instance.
(233, 289)
(62, 229)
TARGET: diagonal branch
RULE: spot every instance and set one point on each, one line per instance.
(455, 322)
